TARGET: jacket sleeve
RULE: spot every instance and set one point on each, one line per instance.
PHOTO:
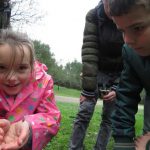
(46, 120)
(128, 97)
(116, 82)
(90, 54)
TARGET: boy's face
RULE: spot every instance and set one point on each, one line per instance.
(135, 26)
(14, 78)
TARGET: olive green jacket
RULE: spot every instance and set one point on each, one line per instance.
(101, 49)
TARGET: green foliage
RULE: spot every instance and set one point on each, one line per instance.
(67, 76)
(73, 71)
(139, 122)
(44, 55)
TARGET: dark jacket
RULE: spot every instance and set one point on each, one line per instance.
(101, 49)
(135, 76)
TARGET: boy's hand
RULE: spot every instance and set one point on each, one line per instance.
(140, 142)
(110, 96)
(17, 136)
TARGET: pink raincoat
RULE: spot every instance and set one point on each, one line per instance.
(36, 104)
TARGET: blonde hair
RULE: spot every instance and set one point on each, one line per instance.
(17, 40)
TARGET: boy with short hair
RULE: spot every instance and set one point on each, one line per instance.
(132, 17)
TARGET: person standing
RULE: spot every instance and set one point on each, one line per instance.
(102, 64)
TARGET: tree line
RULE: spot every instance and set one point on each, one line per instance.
(67, 76)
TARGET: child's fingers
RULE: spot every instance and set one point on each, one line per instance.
(138, 139)
(147, 135)
(23, 133)
(10, 146)
(4, 124)
(136, 143)
(1, 138)
(140, 142)
(1, 134)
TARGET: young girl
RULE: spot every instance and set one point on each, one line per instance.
(29, 117)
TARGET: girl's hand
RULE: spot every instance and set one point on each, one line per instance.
(110, 96)
(17, 136)
(140, 142)
(4, 127)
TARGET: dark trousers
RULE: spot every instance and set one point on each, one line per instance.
(82, 121)
(146, 125)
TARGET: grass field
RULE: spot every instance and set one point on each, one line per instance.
(68, 111)
(62, 91)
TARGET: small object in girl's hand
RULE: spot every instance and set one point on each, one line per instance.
(104, 92)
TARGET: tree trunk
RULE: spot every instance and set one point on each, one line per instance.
(5, 13)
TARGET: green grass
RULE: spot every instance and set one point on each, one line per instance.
(68, 111)
(139, 122)
(62, 91)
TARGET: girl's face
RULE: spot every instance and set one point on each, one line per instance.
(14, 78)
(135, 26)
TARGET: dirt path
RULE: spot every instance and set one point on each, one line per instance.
(71, 99)
(66, 99)
(76, 100)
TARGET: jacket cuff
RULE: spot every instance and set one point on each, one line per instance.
(113, 88)
(124, 143)
(88, 94)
